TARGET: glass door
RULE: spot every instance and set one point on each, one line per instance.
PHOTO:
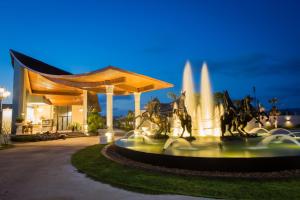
(63, 117)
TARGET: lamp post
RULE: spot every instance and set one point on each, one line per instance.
(3, 94)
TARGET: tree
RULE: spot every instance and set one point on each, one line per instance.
(273, 101)
(129, 120)
(172, 95)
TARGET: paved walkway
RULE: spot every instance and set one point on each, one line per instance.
(42, 171)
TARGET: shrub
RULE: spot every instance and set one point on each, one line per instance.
(127, 122)
(75, 126)
(95, 121)
(38, 137)
(25, 138)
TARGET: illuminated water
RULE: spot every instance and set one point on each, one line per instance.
(190, 99)
(205, 115)
(267, 146)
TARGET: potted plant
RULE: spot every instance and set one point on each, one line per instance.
(19, 120)
(19, 124)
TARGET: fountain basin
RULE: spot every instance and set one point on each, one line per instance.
(210, 154)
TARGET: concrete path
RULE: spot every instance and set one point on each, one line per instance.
(42, 171)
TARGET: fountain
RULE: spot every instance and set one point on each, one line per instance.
(206, 123)
(205, 114)
(190, 98)
(171, 141)
(281, 137)
(269, 150)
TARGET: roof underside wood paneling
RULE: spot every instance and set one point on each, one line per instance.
(62, 88)
(124, 82)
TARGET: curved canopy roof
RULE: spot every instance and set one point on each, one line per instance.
(52, 82)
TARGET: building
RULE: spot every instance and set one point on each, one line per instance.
(51, 99)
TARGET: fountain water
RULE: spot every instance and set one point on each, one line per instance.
(207, 104)
(281, 137)
(205, 115)
(171, 141)
(135, 134)
(130, 134)
(259, 130)
(190, 98)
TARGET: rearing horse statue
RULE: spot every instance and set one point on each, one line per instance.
(237, 117)
(180, 110)
(154, 115)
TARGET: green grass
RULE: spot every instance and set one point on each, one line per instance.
(6, 146)
(91, 162)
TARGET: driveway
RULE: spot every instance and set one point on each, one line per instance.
(42, 171)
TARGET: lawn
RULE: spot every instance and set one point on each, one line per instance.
(91, 162)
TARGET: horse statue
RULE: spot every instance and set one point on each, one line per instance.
(229, 118)
(154, 115)
(180, 110)
(236, 117)
(247, 113)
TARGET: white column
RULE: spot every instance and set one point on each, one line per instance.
(137, 108)
(109, 135)
(109, 107)
(85, 111)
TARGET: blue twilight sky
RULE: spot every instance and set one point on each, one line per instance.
(245, 43)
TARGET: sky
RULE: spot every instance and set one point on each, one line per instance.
(245, 43)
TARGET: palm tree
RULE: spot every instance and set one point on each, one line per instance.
(129, 120)
(273, 101)
(172, 95)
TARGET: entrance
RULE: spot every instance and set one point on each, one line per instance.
(63, 117)
(63, 123)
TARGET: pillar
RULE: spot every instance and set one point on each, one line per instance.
(19, 95)
(108, 136)
(137, 108)
(109, 107)
(85, 111)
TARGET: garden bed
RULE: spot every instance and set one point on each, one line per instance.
(37, 137)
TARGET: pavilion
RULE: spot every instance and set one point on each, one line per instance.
(51, 99)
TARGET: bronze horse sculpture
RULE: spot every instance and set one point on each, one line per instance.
(236, 117)
(180, 110)
(154, 115)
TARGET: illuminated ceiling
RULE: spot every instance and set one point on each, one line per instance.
(63, 88)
